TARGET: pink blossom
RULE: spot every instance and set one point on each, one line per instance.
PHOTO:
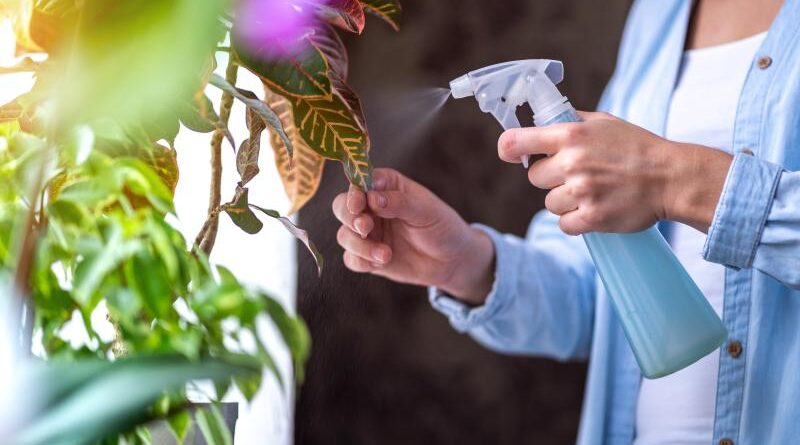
(275, 27)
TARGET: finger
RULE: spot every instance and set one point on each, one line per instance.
(595, 115)
(387, 179)
(516, 142)
(357, 264)
(362, 223)
(572, 223)
(368, 250)
(356, 200)
(401, 205)
(560, 200)
(546, 174)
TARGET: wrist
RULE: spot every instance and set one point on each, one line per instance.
(695, 184)
(473, 275)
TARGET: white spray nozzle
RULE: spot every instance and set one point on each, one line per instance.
(461, 87)
(500, 89)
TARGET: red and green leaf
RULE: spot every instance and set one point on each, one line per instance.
(257, 105)
(300, 73)
(247, 156)
(388, 10)
(327, 40)
(297, 232)
(346, 14)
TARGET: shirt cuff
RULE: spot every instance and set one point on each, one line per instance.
(742, 211)
(464, 317)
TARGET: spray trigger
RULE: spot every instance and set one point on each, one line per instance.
(501, 88)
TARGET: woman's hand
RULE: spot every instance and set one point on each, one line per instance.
(607, 175)
(402, 231)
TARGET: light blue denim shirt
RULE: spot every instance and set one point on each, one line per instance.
(547, 299)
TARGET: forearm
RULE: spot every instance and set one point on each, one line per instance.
(541, 298)
(696, 176)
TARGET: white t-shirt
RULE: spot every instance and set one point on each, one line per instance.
(679, 408)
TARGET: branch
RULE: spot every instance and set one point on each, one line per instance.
(25, 254)
(208, 233)
(26, 65)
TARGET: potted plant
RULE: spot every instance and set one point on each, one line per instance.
(89, 169)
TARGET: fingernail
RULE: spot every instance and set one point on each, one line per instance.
(359, 224)
(376, 265)
(379, 255)
(381, 200)
(379, 183)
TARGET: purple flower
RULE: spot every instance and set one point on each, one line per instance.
(275, 27)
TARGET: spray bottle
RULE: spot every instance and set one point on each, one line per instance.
(667, 320)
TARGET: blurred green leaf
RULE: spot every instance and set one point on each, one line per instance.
(161, 123)
(90, 407)
(68, 212)
(80, 144)
(98, 260)
(213, 426)
(180, 424)
(293, 331)
(125, 56)
(144, 436)
(148, 278)
(198, 115)
(248, 386)
(141, 179)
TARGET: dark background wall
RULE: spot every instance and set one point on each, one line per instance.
(386, 368)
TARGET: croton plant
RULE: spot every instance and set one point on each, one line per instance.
(88, 171)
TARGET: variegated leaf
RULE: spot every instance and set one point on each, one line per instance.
(335, 130)
(327, 40)
(301, 73)
(346, 14)
(297, 232)
(240, 213)
(253, 102)
(301, 175)
(388, 10)
(247, 156)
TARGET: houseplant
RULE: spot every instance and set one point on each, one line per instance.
(88, 172)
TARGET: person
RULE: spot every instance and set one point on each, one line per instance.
(700, 131)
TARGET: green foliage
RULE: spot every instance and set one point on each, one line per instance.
(87, 174)
(168, 40)
(212, 424)
(79, 403)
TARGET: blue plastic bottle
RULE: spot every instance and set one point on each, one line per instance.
(667, 320)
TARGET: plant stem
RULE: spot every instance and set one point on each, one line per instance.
(208, 233)
(25, 254)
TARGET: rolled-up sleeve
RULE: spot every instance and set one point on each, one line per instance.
(542, 298)
(757, 220)
(463, 317)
